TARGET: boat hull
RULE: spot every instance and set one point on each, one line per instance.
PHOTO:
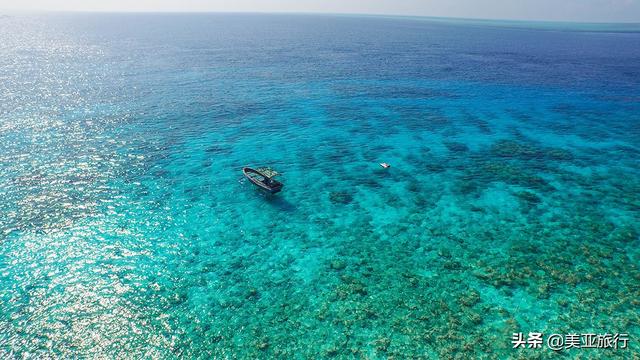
(262, 181)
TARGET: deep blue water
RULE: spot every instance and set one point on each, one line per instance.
(126, 228)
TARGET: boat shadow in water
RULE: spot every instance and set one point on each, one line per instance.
(278, 202)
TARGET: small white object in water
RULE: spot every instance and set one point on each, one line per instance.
(385, 165)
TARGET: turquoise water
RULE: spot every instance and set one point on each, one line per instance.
(127, 230)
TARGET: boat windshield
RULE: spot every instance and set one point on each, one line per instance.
(268, 172)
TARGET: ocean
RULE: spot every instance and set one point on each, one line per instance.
(512, 204)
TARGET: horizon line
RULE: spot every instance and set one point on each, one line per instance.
(431, 17)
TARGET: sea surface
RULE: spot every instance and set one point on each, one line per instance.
(128, 231)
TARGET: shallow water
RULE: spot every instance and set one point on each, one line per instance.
(127, 230)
